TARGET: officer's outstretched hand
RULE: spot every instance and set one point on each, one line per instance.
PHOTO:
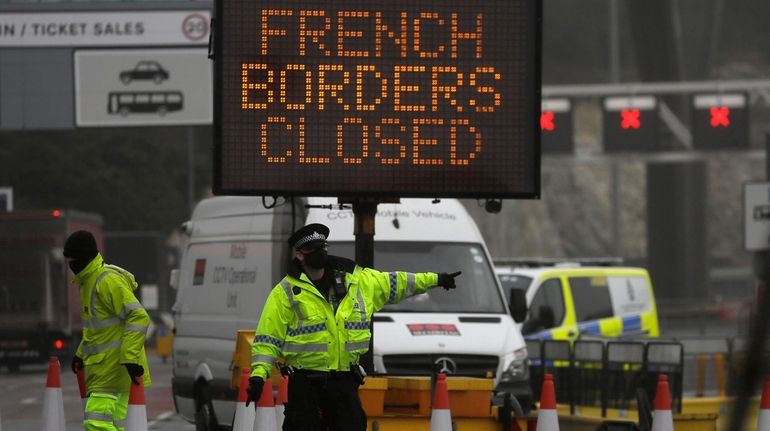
(134, 371)
(447, 281)
(254, 392)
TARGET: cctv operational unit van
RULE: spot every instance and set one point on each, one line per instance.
(468, 331)
(235, 253)
(568, 300)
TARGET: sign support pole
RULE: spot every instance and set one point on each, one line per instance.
(364, 211)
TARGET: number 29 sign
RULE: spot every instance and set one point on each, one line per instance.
(377, 98)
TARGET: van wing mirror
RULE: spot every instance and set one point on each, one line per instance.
(173, 279)
(518, 305)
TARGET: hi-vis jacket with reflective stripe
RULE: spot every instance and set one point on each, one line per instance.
(114, 327)
(298, 324)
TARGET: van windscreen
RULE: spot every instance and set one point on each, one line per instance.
(476, 290)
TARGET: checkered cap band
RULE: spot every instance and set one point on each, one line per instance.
(315, 236)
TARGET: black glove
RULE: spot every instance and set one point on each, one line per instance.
(254, 392)
(76, 364)
(447, 281)
(134, 371)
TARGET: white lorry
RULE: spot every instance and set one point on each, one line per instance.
(237, 253)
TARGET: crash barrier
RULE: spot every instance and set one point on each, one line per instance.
(607, 374)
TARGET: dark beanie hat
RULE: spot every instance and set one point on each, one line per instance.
(79, 245)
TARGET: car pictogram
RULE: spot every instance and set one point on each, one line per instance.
(145, 70)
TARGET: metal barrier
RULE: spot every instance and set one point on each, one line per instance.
(664, 357)
(607, 373)
(588, 374)
(557, 361)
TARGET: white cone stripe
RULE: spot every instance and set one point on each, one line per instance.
(136, 418)
(663, 420)
(763, 423)
(53, 410)
(264, 419)
(244, 417)
(440, 420)
(279, 409)
(547, 420)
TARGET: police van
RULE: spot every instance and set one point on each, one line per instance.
(469, 331)
(237, 252)
(568, 300)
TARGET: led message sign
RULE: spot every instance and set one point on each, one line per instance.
(388, 98)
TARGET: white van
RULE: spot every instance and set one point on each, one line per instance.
(236, 253)
(468, 331)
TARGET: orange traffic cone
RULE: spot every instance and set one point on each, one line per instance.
(281, 399)
(136, 417)
(663, 420)
(441, 416)
(244, 416)
(264, 420)
(82, 386)
(547, 418)
(53, 402)
(763, 423)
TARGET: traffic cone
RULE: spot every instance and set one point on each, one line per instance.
(264, 419)
(136, 417)
(547, 418)
(82, 386)
(53, 402)
(663, 420)
(281, 400)
(244, 416)
(441, 416)
(763, 422)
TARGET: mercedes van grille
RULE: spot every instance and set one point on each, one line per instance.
(465, 365)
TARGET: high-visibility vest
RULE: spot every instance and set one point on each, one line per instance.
(300, 325)
(114, 327)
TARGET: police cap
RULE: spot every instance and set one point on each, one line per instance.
(307, 235)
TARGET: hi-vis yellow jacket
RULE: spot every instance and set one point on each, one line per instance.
(114, 327)
(298, 324)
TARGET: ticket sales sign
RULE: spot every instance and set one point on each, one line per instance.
(377, 98)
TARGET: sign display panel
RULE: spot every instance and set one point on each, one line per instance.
(134, 87)
(720, 121)
(630, 124)
(374, 98)
(556, 126)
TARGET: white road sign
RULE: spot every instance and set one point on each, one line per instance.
(143, 87)
(756, 215)
(104, 28)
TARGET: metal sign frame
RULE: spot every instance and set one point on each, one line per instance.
(520, 178)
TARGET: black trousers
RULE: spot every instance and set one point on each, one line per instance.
(323, 402)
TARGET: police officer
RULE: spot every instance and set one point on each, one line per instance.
(114, 328)
(317, 318)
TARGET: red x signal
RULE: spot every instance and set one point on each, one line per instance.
(629, 119)
(720, 116)
(546, 121)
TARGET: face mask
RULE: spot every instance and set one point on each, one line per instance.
(77, 265)
(316, 258)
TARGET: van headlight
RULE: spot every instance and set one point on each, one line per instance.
(518, 368)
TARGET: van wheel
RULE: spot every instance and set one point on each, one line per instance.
(205, 419)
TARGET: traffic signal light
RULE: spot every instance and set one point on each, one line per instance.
(630, 123)
(556, 126)
(720, 121)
